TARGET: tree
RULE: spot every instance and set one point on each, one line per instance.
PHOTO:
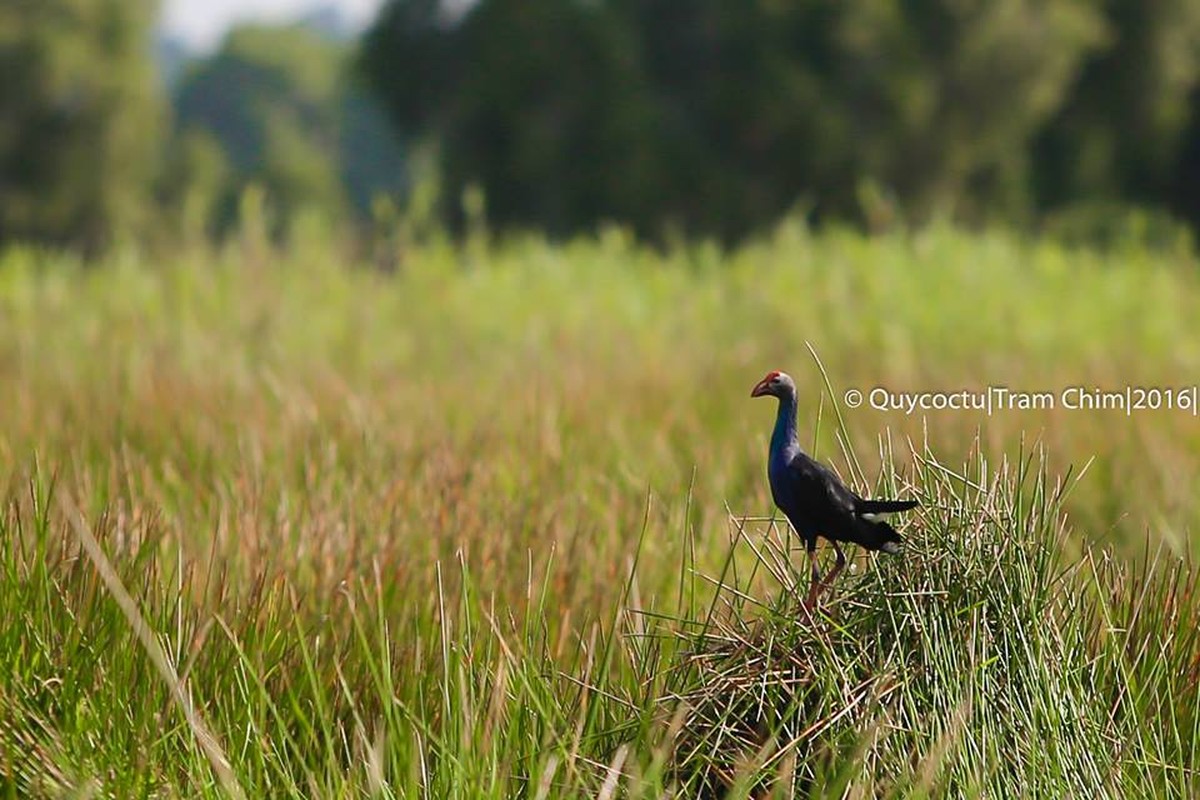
(280, 104)
(718, 115)
(80, 119)
(947, 96)
(1119, 134)
(540, 101)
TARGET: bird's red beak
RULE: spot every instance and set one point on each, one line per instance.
(761, 388)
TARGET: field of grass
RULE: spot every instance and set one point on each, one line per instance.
(496, 523)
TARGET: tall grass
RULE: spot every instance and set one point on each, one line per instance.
(494, 525)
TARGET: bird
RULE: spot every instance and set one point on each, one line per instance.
(814, 499)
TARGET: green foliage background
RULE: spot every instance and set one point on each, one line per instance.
(463, 502)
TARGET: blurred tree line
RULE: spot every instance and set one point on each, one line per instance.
(278, 108)
(709, 117)
(94, 145)
(717, 116)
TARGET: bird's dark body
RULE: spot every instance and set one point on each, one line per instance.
(813, 498)
(817, 503)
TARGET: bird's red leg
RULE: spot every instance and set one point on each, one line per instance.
(819, 584)
(837, 567)
(814, 584)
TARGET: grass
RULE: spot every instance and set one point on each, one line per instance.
(492, 525)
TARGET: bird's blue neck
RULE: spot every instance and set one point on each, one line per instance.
(784, 434)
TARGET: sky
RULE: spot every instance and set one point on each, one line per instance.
(202, 23)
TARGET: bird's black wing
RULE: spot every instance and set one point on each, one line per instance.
(818, 503)
(822, 491)
(818, 495)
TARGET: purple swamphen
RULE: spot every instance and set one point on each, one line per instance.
(814, 499)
